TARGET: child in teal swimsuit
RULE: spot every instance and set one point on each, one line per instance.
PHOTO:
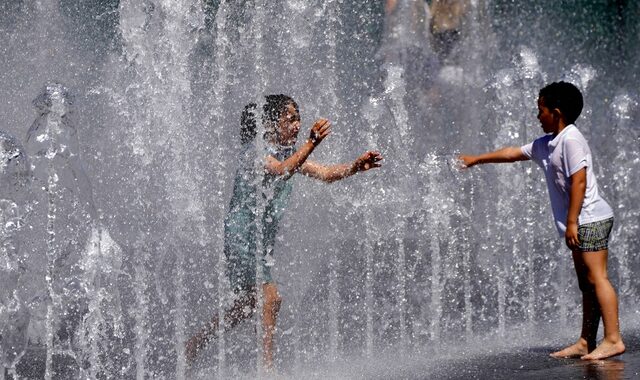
(240, 227)
(262, 192)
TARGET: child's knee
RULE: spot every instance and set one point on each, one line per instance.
(594, 278)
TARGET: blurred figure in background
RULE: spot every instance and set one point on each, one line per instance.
(447, 17)
(406, 42)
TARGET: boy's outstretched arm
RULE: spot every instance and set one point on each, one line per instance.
(321, 129)
(509, 154)
(332, 173)
(576, 197)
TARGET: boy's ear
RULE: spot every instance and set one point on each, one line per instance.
(557, 113)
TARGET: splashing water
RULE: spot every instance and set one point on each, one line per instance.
(112, 214)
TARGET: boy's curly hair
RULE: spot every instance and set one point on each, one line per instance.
(564, 96)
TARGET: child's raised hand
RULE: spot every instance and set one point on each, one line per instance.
(321, 129)
(368, 160)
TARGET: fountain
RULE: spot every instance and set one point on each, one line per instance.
(112, 213)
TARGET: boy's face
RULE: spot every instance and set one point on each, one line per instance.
(289, 126)
(548, 119)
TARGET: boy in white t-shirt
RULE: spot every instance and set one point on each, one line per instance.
(580, 213)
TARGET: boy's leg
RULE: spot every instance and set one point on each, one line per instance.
(590, 318)
(590, 314)
(272, 302)
(590, 307)
(596, 263)
(243, 308)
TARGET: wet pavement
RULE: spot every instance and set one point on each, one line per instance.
(444, 363)
(518, 354)
(531, 363)
(536, 364)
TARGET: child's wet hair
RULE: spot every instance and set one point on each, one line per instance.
(564, 96)
(248, 124)
(272, 109)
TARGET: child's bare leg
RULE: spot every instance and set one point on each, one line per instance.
(243, 308)
(200, 339)
(612, 344)
(590, 321)
(590, 318)
(590, 315)
(272, 302)
(590, 306)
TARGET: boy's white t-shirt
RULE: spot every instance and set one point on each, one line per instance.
(560, 157)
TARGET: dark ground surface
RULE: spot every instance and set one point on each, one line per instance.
(536, 364)
(531, 363)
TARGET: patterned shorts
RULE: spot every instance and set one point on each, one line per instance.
(595, 236)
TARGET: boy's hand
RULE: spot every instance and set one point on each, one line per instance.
(368, 160)
(321, 129)
(571, 236)
(465, 161)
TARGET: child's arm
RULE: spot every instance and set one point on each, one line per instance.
(509, 154)
(576, 197)
(321, 128)
(332, 173)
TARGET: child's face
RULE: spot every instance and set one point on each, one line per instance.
(546, 117)
(289, 126)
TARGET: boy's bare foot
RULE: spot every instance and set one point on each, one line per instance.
(605, 350)
(574, 351)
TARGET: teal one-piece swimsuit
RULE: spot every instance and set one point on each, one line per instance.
(240, 225)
